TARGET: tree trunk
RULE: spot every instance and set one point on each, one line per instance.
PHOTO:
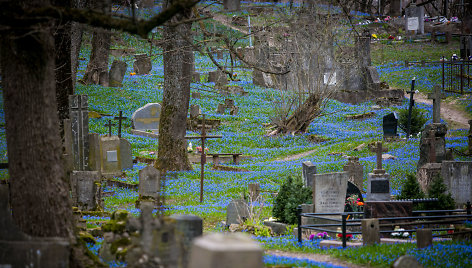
(302, 117)
(97, 67)
(172, 152)
(38, 190)
(77, 30)
(64, 86)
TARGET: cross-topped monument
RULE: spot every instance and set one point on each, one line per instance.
(410, 106)
(379, 150)
(432, 143)
(120, 118)
(436, 96)
(78, 112)
(109, 125)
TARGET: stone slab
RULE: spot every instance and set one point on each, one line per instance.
(147, 117)
(308, 173)
(457, 176)
(329, 192)
(378, 187)
(387, 209)
(149, 180)
(126, 154)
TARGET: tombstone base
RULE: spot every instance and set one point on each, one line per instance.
(378, 187)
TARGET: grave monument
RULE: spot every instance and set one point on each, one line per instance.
(378, 182)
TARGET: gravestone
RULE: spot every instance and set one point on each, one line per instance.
(78, 112)
(378, 182)
(218, 77)
(308, 173)
(195, 111)
(20, 250)
(406, 261)
(187, 228)
(234, 110)
(329, 192)
(427, 172)
(110, 157)
(414, 19)
(355, 171)
(390, 124)
(373, 78)
(142, 64)
(117, 73)
(149, 180)
(457, 176)
(94, 153)
(387, 209)
(236, 212)
(86, 190)
(440, 131)
(232, 5)
(424, 238)
(147, 117)
(254, 190)
(126, 154)
(226, 250)
(395, 8)
(220, 109)
(196, 77)
(370, 232)
(466, 46)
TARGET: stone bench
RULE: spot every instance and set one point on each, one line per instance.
(216, 157)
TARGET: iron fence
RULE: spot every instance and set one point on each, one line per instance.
(447, 217)
(457, 76)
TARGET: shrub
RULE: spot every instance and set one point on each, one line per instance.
(411, 190)
(438, 189)
(418, 119)
(291, 194)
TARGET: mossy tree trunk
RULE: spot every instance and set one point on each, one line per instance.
(172, 153)
(38, 190)
(97, 67)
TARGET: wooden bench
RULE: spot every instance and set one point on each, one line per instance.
(216, 157)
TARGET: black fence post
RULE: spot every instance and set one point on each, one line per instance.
(299, 218)
(468, 208)
(344, 229)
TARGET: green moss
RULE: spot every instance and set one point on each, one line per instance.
(120, 215)
(117, 246)
(114, 226)
(85, 236)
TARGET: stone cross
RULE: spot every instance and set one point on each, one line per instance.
(120, 118)
(109, 125)
(78, 112)
(410, 106)
(432, 149)
(436, 96)
(379, 150)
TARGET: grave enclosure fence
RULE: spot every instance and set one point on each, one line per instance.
(421, 219)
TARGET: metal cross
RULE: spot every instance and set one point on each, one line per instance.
(109, 125)
(412, 103)
(436, 96)
(120, 118)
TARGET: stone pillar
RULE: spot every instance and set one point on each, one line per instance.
(355, 171)
(426, 174)
(187, 228)
(226, 250)
(94, 153)
(308, 173)
(370, 231)
(424, 238)
(440, 131)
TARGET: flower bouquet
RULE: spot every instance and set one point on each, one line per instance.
(323, 235)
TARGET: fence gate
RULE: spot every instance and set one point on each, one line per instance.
(457, 76)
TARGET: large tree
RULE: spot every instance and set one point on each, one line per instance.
(178, 60)
(38, 189)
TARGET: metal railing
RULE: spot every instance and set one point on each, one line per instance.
(457, 76)
(420, 220)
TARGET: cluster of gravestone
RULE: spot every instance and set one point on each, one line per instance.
(358, 79)
(89, 157)
(229, 104)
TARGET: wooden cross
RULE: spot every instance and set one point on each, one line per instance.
(432, 148)
(436, 96)
(120, 118)
(203, 136)
(379, 150)
(109, 125)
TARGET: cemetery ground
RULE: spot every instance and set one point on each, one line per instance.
(330, 139)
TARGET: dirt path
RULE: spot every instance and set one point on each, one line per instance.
(296, 156)
(314, 257)
(450, 112)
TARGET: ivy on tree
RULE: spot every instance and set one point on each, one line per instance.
(291, 194)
